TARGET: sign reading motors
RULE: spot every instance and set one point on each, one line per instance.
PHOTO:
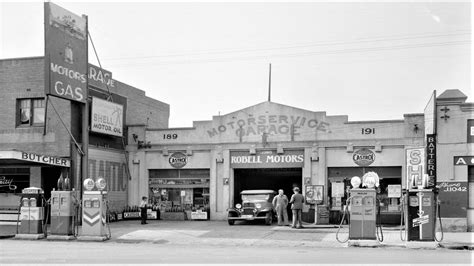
(267, 159)
(65, 53)
(106, 117)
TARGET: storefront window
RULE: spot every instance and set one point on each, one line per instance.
(339, 187)
(13, 180)
(180, 189)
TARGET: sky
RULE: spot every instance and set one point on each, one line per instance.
(367, 60)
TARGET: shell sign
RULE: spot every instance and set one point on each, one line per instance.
(363, 157)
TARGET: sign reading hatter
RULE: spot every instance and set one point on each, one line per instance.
(106, 117)
(65, 53)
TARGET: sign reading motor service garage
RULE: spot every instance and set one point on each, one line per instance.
(267, 159)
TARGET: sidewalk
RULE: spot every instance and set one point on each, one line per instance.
(219, 233)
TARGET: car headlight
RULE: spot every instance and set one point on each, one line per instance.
(238, 205)
(258, 205)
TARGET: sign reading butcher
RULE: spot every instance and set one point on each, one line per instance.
(65, 53)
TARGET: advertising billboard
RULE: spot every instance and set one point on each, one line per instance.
(106, 117)
(65, 53)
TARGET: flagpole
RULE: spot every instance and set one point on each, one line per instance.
(270, 82)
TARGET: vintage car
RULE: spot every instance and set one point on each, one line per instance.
(256, 205)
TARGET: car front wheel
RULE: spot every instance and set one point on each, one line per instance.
(268, 219)
(231, 222)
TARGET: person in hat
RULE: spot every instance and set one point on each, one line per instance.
(143, 205)
(297, 207)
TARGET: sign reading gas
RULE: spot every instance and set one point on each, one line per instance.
(66, 54)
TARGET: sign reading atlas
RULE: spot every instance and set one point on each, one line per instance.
(65, 53)
(106, 117)
(363, 157)
(178, 160)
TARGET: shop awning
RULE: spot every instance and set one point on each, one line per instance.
(14, 156)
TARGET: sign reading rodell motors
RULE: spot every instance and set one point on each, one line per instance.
(267, 159)
(363, 157)
(65, 53)
(106, 117)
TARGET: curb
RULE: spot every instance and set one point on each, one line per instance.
(7, 236)
(457, 246)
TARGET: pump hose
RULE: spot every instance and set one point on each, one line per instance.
(378, 229)
(109, 236)
(439, 219)
(45, 221)
(402, 215)
(18, 217)
(342, 221)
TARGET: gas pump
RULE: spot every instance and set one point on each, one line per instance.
(31, 218)
(94, 210)
(363, 210)
(422, 208)
(64, 206)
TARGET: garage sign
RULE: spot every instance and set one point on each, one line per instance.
(267, 159)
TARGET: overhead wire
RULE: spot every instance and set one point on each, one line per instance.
(261, 57)
(363, 40)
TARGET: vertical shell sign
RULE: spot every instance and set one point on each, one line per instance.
(65, 53)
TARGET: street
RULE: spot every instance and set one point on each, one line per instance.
(18, 251)
(216, 242)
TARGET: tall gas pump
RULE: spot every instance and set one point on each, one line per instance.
(94, 210)
(421, 200)
(362, 208)
(64, 206)
(31, 218)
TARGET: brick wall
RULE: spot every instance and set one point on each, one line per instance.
(24, 78)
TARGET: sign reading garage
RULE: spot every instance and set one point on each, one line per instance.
(267, 159)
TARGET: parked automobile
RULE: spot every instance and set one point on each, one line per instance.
(256, 205)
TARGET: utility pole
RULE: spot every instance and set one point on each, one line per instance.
(270, 83)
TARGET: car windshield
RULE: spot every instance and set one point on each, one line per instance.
(255, 197)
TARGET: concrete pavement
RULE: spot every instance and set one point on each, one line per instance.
(219, 233)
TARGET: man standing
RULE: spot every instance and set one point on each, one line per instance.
(280, 202)
(143, 205)
(296, 207)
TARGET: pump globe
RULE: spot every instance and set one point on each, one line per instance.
(370, 180)
(355, 182)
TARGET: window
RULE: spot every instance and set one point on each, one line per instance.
(31, 112)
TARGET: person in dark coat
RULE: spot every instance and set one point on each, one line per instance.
(297, 208)
(143, 206)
